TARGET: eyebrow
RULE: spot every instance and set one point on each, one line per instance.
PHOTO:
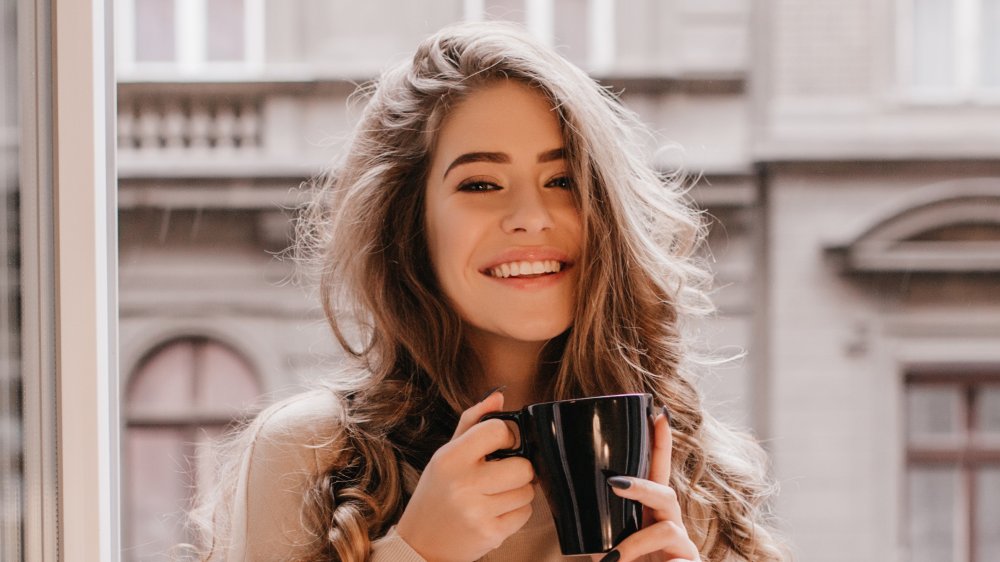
(502, 158)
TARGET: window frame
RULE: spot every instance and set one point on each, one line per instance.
(966, 455)
(540, 16)
(39, 510)
(69, 354)
(969, 88)
(191, 63)
(938, 339)
(191, 422)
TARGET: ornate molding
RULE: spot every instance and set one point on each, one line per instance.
(951, 227)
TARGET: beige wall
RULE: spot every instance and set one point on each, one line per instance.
(840, 343)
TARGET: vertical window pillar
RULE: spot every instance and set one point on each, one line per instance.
(85, 280)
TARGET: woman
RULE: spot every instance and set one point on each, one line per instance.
(493, 223)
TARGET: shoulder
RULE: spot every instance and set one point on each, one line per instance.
(300, 430)
(291, 444)
(315, 412)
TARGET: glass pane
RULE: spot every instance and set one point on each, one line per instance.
(933, 494)
(988, 411)
(933, 44)
(10, 294)
(933, 411)
(988, 514)
(164, 383)
(225, 381)
(157, 487)
(571, 32)
(508, 10)
(154, 31)
(226, 28)
(990, 57)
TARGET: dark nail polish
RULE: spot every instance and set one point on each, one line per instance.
(666, 412)
(620, 482)
(491, 391)
(612, 556)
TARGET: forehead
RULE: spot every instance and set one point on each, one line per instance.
(505, 116)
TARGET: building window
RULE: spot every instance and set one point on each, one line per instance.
(953, 467)
(182, 396)
(192, 38)
(952, 49)
(582, 30)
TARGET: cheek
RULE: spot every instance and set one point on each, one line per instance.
(454, 276)
(449, 246)
(572, 224)
(449, 260)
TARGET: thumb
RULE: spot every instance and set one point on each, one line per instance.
(492, 403)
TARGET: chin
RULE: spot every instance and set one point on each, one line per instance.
(537, 332)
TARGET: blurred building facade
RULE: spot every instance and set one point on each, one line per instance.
(850, 154)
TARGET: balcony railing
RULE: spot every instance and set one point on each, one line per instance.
(195, 126)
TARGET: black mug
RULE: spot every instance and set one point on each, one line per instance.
(574, 447)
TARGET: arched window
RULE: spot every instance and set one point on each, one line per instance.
(183, 395)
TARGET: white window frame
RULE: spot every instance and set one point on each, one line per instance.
(192, 63)
(86, 286)
(66, 80)
(968, 87)
(539, 16)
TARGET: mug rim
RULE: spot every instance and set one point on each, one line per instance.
(588, 399)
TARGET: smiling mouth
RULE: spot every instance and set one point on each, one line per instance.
(525, 269)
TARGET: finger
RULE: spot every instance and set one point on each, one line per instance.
(492, 403)
(665, 537)
(659, 470)
(660, 499)
(510, 500)
(499, 476)
(485, 438)
(511, 521)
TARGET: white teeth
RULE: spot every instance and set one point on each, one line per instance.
(519, 268)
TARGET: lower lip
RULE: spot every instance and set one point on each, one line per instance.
(529, 283)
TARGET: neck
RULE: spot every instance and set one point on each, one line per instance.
(509, 363)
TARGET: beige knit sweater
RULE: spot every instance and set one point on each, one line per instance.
(288, 451)
(536, 540)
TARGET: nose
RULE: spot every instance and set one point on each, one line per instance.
(527, 212)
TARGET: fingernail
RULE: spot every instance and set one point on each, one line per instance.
(620, 482)
(612, 556)
(666, 412)
(491, 391)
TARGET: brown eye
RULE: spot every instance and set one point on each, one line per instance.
(561, 182)
(478, 186)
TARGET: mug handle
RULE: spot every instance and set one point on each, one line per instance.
(516, 417)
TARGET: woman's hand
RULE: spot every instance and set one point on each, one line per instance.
(465, 506)
(663, 534)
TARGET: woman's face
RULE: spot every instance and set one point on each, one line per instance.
(503, 230)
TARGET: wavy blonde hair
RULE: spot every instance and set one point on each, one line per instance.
(638, 271)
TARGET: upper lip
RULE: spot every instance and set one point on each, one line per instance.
(541, 253)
